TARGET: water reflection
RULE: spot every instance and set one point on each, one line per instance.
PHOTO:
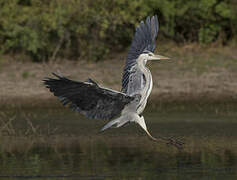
(77, 151)
(100, 160)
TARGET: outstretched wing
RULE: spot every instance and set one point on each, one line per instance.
(143, 40)
(88, 98)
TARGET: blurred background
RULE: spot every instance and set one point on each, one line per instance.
(194, 98)
(74, 29)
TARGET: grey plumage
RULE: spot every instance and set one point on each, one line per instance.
(143, 41)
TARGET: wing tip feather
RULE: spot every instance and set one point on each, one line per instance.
(144, 38)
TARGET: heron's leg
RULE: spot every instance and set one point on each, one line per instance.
(141, 122)
(169, 141)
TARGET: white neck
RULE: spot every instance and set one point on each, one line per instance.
(148, 85)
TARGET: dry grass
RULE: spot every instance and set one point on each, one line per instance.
(193, 72)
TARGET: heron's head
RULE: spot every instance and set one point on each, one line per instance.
(147, 55)
(152, 56)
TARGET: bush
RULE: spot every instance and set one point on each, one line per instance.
(88, 29)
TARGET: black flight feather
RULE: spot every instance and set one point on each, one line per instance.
(88, 98)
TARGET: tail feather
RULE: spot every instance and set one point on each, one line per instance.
(116, 123)
(109, 124)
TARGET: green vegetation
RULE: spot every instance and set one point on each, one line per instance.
(80, 28)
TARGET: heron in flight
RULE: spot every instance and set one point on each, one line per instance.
(97, 102)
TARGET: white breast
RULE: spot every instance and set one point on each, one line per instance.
(146, 91)
(140, 82)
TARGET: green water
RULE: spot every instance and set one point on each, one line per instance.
(124, 153)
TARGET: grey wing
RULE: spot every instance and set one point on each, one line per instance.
(144, 39)
(87, 97)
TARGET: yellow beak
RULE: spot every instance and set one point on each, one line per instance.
(158, 57)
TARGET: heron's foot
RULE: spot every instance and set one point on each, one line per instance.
(174, 142)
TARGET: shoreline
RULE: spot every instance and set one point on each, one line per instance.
(154, 101)
(203, 74)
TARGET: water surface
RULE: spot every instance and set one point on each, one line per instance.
(64, 145)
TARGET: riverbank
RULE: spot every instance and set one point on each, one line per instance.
(192, 73)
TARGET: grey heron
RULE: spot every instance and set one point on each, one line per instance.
(97, 102)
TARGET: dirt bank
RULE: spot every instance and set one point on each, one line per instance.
(192, 73)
